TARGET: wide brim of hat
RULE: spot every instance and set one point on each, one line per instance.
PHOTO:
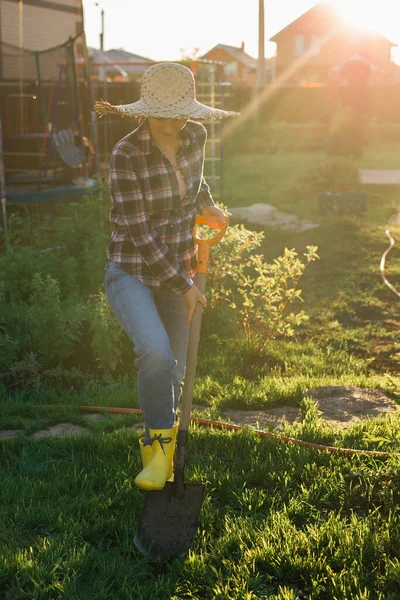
(182, 109)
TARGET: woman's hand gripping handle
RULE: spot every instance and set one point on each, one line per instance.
(196, 292)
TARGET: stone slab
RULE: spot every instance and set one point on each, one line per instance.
(10, 434)
(61, 430)
(269, 216)
(380, 176)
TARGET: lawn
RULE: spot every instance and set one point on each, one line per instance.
(279, 521)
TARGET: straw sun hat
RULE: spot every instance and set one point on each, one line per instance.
(167, 91)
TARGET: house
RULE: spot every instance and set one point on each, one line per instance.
(40, 25)
(238, 66)
(117, 67)
(310, 48)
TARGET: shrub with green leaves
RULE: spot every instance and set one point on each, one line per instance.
(258, 293)
(229, 255)
(53, 327)
(38, 331)
(85, 229)
(107, 335)
(55, 318)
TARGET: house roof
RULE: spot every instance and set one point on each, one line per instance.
(119, 55)
(320, 18)
(237, 54)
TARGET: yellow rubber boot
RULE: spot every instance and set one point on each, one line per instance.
(146, 452)
(155, 474)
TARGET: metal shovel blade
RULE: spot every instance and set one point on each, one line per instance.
(168, 523)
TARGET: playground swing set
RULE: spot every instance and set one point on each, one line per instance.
(49, 147)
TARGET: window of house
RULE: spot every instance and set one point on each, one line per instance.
(314, 45)
(307, 44)
(231, 69)
(299, 45)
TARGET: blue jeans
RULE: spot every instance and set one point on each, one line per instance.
(156, 322)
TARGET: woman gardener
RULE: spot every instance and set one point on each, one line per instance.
(157, 188)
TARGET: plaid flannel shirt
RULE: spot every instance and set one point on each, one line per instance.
(153, 227)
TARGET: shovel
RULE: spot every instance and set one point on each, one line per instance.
(169, 519)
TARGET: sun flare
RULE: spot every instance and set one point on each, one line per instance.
(382, 16)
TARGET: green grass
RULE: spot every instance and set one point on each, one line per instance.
(352, 311)
(279, 521)
(271, 179)
(381, 154)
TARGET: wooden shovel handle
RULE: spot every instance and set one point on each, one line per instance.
(204, 245)
(194, 338)
(213, 224)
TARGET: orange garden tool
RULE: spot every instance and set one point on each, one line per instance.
(169, 519)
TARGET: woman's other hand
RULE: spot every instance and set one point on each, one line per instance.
(215, 213)
(191, 298)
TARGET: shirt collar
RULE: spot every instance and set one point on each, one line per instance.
(145, 142)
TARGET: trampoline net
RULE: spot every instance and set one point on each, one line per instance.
(44, 100)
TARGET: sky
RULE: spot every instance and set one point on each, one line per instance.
(164, 29)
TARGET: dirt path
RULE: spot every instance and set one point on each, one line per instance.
(339, 405)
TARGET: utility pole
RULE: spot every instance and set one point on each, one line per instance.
(102, 69)
(103, 78)
(102, 31)
(261, 47)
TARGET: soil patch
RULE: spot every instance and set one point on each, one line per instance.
(341, 406)
(61, 430)
(344, 405)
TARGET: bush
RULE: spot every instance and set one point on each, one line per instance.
(229, 255)
(54, 328)
(258, 293)
(38, 331)
(55, 321)
(85, 230)
(108, 338)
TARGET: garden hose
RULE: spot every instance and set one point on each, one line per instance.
(382, 265)
(232, 427)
